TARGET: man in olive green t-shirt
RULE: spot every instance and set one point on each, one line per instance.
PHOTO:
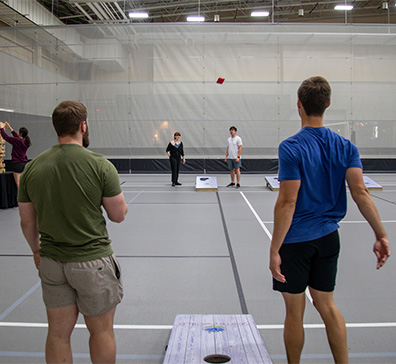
(60, 197)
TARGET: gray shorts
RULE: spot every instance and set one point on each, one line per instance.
(94, 286)
(233, 164)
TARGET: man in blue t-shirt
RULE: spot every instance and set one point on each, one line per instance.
(313, 166)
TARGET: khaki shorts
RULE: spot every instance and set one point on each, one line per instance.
(94, 286)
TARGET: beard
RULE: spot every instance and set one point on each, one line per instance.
(86, 139)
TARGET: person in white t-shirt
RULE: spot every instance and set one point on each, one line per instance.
(233, 156)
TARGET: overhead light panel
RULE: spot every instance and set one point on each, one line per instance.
(259, 13)
(139, 15)
(343, 7)
(7, 110)
(195, 18)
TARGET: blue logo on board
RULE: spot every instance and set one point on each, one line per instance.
(214, 329)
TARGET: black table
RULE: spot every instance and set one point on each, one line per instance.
(8, 191)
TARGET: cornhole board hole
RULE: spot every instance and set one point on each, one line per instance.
(272, 182)
(371, 185)
(202, 339)
(206, 184)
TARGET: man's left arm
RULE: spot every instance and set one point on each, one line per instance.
(29, 225)
(367, 208)
(239, 151)
(283, 216)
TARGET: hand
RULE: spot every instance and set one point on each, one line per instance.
(36, 258)
(225, 159)
(275, 263)
(1, 125)
(7, 125)
(184, 161)
(382, 251)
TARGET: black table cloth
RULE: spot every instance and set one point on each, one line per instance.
(8, 191)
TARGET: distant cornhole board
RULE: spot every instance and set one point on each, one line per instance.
(273, 184)
(206, 184)
(201, 339)
(371, 185)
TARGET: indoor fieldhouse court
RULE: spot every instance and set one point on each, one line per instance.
(143, 80)
(214, 260)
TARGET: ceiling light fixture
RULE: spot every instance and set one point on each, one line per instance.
(343, 7)
(195, 18)
(198, 17)
(138, 15)
(259, 13)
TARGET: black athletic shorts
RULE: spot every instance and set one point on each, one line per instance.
(18, 167)
(312, 263)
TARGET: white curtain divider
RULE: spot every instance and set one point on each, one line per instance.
(143, 82)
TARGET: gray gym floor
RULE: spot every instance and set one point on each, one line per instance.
(188, 252)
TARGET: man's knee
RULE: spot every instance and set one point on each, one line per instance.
(295, 304)
(326, 309)
(324, 303)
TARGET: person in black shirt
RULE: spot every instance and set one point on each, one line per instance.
(175, 151)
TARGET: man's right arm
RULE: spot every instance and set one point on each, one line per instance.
(115, 207)
(283, 216)
(29, 225)
(367, 208)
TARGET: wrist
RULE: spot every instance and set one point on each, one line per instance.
(274, 251)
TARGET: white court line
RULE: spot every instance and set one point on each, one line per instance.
(346, 222)
(134, 197)
(19, 301)
(170, 327)
(363, 222)
(83, 326)
(307, 293)
(257, 216)
(161, 192)
(322, 326)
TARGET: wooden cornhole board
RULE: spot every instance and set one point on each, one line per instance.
(206, 184)
(371, 185)
(273, 184)
(195, 337)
